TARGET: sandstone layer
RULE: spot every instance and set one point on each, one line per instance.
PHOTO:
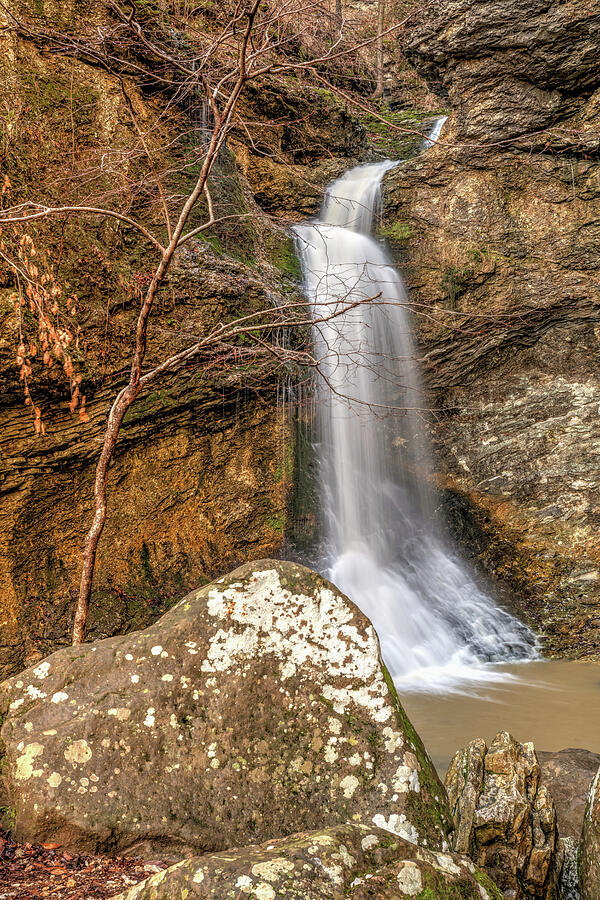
(203, 469)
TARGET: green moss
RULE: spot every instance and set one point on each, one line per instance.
(397, 231)
(283, 257)
(486, 882)
(454, 283)
(276, 521)
(8, 817)
(399, 135)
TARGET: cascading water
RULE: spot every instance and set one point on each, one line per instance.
(437, 627)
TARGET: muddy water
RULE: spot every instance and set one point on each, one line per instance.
(555, 704)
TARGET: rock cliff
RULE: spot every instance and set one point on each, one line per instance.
(497, 229)
(203, 469)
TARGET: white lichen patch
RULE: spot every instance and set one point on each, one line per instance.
(369, 842)
(301, 630)
(264, 891)
(272, 869)
(54, 780)
(59, 697)
(410, 880)
(42, 670)
(24, 764)
(349, 785)
(79, 752)
(156, 651)
(122, 713)
(149, 720)
(34, 693)
(346, 857)
(397, 824)
(198, 876)
(447, 864)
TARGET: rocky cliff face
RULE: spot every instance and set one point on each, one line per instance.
(203, 469)
(497, 229)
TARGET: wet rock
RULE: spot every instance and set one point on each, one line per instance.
(496, 229)
(256, 706)
(505, 817)
(589, 854)
(568, 774)
(349, 861)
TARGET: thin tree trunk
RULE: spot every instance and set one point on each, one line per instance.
(379, 49)
(127, 396)
(338, 14)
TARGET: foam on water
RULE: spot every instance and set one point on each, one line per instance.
(439, 629)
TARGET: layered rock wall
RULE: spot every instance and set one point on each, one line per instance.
(497, 229)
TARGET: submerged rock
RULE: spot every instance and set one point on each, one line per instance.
(589, 855)
(505, 817)
(257, 706)
(349, 861)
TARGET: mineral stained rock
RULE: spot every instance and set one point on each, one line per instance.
(348, 861)
(257, 706)
(505, 817)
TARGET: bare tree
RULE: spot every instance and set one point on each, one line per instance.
(250, 40)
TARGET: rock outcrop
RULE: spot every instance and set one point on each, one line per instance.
(256, 706)
(504, 816)
(589, 853)
(349, 861)
(497, 229)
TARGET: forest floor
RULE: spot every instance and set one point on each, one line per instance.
(34, 871)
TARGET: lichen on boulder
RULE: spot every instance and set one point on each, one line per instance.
(257, 706)
(505, 817)
(348, 861)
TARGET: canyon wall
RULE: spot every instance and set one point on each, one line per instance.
(497, 228)
(203, 469)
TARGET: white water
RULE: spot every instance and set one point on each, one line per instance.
(438, 629)
(435, 132)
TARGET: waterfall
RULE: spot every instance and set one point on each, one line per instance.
(385, 549)
(435, 132)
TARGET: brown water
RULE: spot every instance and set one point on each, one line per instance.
(554, 703)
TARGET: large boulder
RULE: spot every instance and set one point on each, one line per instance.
(505, 817)
(568, 774)
(349, 861)
(589, 855)
(257, 706)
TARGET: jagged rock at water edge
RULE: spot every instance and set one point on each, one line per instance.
(589, 852)
(505, 817)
